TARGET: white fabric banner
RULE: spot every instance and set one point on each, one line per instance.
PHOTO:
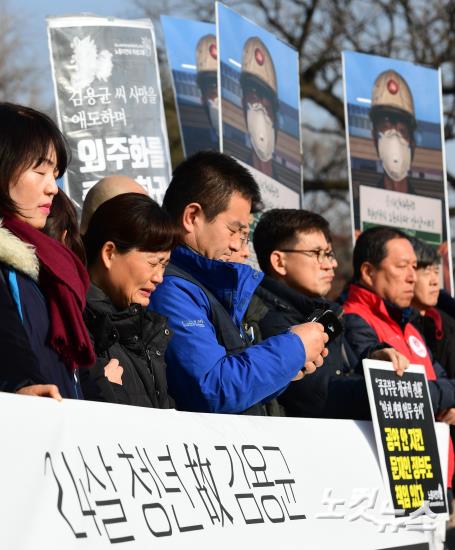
(91, 475)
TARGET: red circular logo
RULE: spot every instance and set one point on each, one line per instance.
(392, 86)
(259, 56)
(212, 51)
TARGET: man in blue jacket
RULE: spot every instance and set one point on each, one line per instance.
(211, 365)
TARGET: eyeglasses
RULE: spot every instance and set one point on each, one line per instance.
(244, 235)
(245, 239)
(318, 254)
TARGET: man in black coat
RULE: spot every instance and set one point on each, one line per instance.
(294, 249)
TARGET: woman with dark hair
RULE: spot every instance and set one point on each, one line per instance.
(437, 327)
(62, 224)
(43, 285)
(128, 243)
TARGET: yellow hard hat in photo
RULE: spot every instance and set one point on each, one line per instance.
(257, 62)
(391, 93)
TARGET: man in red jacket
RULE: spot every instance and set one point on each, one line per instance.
(378, 312)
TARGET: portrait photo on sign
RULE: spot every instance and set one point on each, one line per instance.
(396, 150)
(109, 102)
(260, 103)
(193, 60)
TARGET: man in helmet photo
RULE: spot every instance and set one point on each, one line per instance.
(191, 49)
(206, 65)
(393, 118)
(395, 147)
(384, 154)
(260, 103)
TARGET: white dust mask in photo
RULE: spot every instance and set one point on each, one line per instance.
(395, 153)
(261, 130)
(213, 106)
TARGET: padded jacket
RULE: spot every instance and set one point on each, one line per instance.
(202, 376)
(319, 394)
(363, 338)
(138, 339)
(26, 357)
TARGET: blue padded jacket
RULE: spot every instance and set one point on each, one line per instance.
(202, 376)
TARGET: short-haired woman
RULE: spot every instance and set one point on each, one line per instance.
(128, 243)
(43, 285)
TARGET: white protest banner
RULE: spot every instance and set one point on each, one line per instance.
(109, 102)
(92, 475)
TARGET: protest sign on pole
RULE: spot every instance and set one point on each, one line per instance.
(396, 154)
(86, 475)
(259, 88)
(405, 434)
(109, 102)
(193, 60)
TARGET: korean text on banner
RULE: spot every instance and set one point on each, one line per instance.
(96, 475)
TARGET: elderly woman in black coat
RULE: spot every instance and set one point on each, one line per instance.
(128, 244)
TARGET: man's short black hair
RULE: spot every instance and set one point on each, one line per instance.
(371, 246)
(280, 227)
(426, 254)
(209, 178)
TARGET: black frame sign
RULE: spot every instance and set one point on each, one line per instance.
(404, 428)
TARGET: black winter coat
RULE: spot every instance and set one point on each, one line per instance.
(138, 339)
(26, 357)
(315, 395)
(442, 347)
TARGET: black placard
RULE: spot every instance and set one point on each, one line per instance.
(406, 438)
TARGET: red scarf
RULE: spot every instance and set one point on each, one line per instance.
(64, 282)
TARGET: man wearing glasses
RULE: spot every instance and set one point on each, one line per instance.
(294, 249)
(211, 364)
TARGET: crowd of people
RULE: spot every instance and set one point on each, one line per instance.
(154, 306)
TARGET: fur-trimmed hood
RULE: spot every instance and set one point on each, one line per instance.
(17, 254)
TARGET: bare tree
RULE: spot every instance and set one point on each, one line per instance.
(19, 75)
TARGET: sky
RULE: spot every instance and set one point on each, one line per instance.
(39, 9)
